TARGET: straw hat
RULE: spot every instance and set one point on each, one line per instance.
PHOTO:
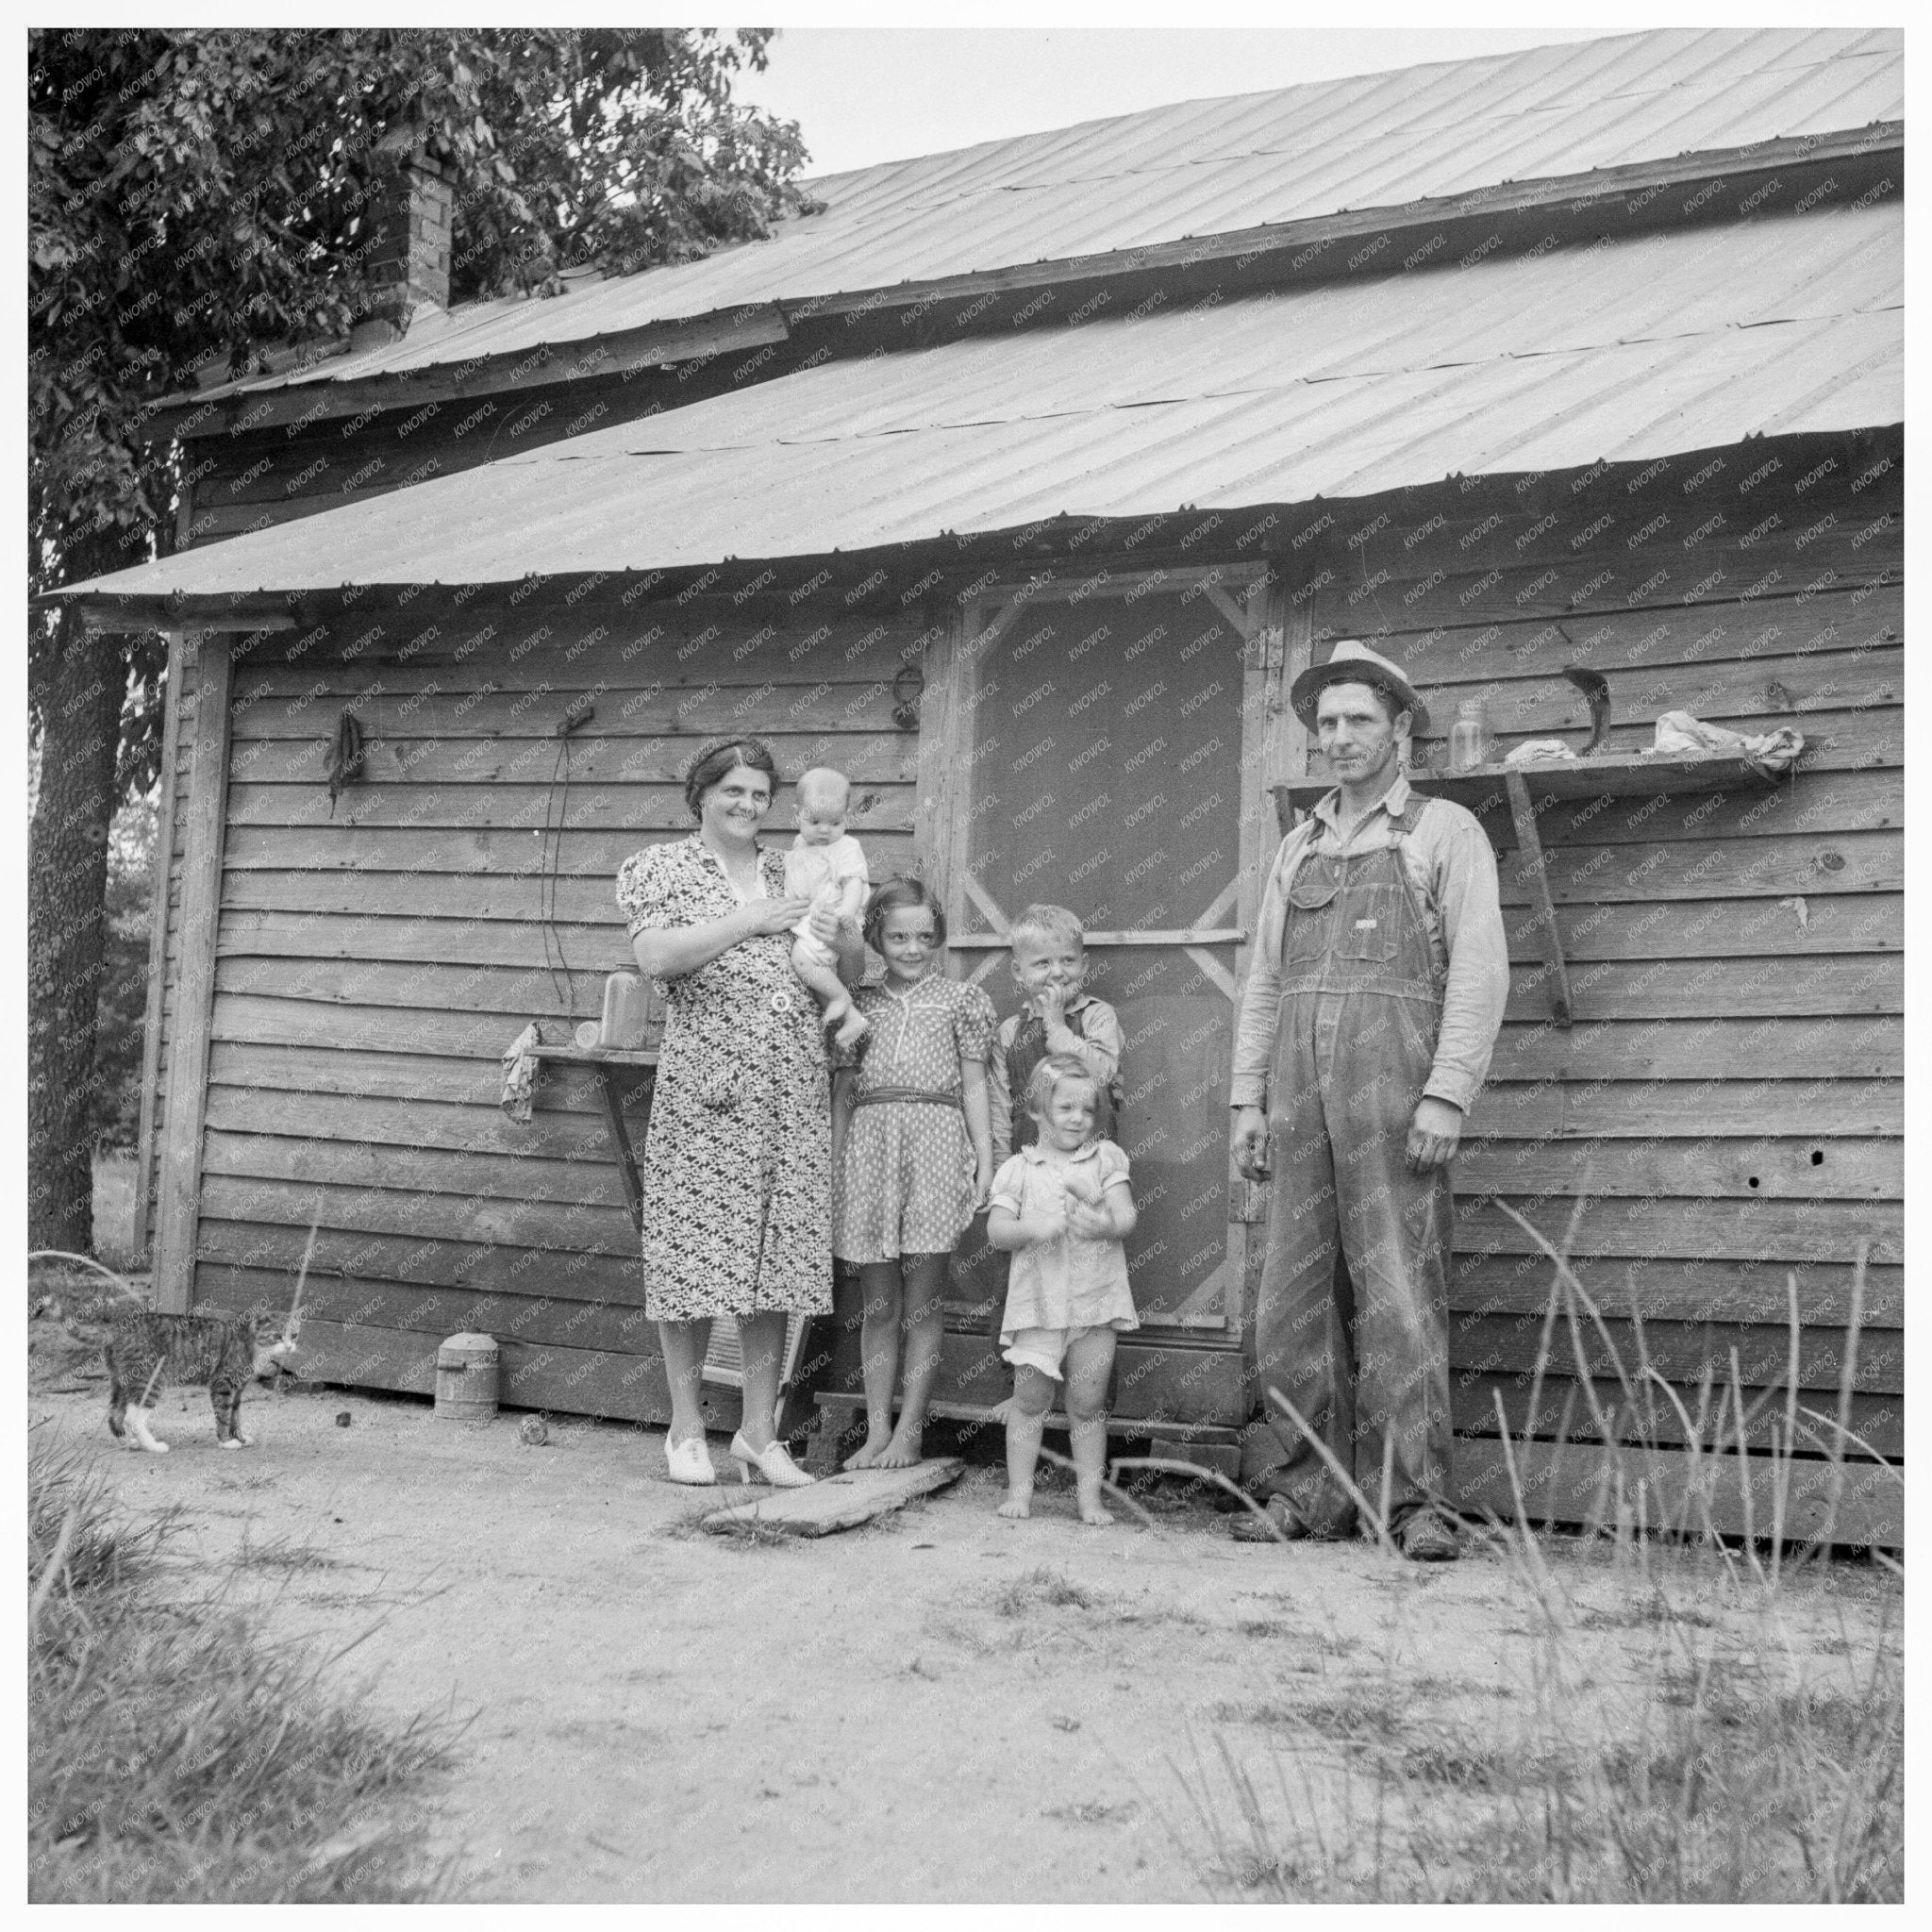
(1353, 662)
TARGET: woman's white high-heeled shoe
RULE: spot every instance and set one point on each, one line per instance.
(773, 1463)
(689, 1461)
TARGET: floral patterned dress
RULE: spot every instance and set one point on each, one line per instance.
(735, 1167)
(905, 1184)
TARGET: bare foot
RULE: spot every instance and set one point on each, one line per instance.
(905, 1448)
(1092, 1514)
(1017, 1506)
(852, 1029)
(867, 1457)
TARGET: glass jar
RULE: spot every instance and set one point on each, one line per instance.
(1468, 737)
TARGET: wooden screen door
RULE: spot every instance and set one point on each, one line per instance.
(1099, 748)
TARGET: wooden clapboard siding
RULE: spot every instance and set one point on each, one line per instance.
(372, 961)
(1728, 1106)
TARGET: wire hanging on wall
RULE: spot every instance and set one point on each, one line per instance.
(578, 715)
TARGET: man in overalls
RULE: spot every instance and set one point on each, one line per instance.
(1372, 1007)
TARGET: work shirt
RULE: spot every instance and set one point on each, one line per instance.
(1090, 1030)
(1452, 870)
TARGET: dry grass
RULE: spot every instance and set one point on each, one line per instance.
(174, 1755)
(1744, 1764)
(1039, 1587)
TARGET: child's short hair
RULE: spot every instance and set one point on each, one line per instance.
(822, 785)
(1048, 1073)
(1050, 922)
(898, 891)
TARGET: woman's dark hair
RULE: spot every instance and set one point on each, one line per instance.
(721, 755)
(890, 896)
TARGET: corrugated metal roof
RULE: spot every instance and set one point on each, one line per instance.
(1213, 167)
(1619, 351)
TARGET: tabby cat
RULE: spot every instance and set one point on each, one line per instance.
(145, 1350)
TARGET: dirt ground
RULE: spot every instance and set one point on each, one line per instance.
(939, 1705)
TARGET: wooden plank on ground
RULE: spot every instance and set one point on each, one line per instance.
(838, 1502)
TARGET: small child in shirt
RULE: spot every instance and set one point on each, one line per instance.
(1062, 1206)
(826, 866)
(1049, 968)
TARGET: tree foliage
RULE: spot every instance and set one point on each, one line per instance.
(196, 198)
(199, 200)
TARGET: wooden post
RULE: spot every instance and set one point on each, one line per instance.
(1530, 843)
(158, 949)
(178, 1218)
(938, 769)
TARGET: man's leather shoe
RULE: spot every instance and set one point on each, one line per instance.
(1278, 1523)
(1426, 1538)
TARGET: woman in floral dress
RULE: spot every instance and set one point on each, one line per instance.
(736, 1170)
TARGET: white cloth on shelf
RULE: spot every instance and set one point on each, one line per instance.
(1681, 736)
(1536, 751)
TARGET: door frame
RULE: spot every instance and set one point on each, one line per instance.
(1246, 595)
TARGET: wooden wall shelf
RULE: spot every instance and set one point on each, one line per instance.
(1507, 800)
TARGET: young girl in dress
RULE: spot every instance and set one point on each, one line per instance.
(1062, 1206)
(911, 1157)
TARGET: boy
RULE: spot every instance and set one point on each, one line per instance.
(1049, 968)
(827, 865)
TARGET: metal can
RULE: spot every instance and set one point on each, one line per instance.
(467, 1372)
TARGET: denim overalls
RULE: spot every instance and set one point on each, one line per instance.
(1352, 1314)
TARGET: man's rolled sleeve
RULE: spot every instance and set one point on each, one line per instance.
(1254, 1033)
(1469, 901)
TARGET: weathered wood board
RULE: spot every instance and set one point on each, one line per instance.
(838, 1502)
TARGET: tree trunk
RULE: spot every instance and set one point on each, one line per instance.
(82, 688)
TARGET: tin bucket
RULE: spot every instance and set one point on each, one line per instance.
(466, 1377)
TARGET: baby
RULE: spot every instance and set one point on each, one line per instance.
(826, 866)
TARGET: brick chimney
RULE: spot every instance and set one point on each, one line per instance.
(412, 213)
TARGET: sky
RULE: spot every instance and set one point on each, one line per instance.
(866, 94)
